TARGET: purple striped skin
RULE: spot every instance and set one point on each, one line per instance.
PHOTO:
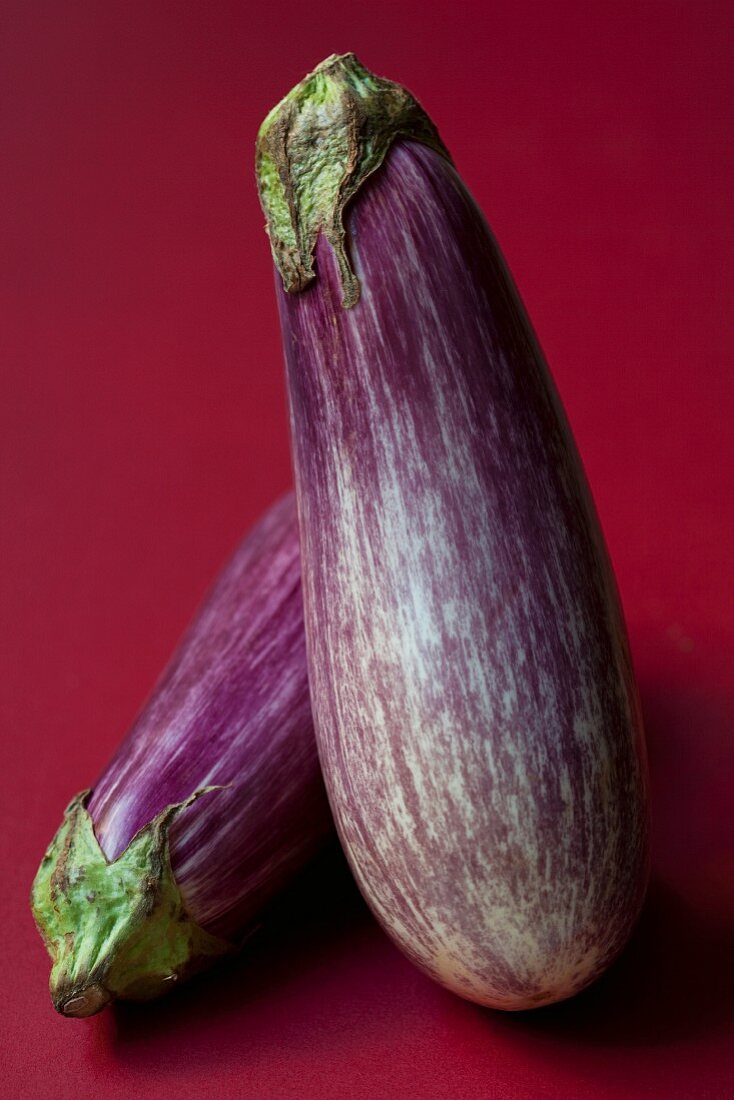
(232, 708)
(475, 706)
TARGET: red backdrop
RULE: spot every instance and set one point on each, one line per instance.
(143, 430)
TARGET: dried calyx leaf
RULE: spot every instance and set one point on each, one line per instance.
(314, 152)
(115, 929)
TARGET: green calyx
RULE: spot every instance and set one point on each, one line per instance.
(314, 152)
(115, 929)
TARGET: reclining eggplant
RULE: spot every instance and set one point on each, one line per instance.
(211, 805)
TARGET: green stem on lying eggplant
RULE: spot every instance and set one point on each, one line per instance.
(115, 929)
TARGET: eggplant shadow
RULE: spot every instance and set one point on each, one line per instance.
(316, 932)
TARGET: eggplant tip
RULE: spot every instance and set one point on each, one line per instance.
(85, 1002)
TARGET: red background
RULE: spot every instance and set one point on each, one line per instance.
(144, 429)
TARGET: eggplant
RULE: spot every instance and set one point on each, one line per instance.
(474, 700)
(212, 803)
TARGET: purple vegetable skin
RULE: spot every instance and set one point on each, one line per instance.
(475, 706)
(212, 803)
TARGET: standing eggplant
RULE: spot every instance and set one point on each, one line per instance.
(210, 805)
(474, 701)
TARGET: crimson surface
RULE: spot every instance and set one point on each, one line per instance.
(144, 429)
